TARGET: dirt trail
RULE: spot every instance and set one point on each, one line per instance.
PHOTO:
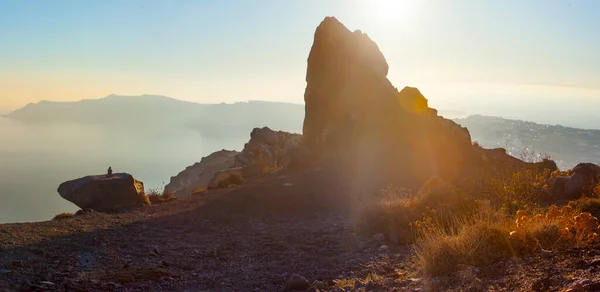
(247, 238)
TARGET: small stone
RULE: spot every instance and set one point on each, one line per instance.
(581, 284)
(297, 282)
(4, 271)
(318, 285)
(155, 250)
(595, 262)
(370, 286)
(379, 237)
(47, 283)
(83, 211)
(383, 247)
(545, 253)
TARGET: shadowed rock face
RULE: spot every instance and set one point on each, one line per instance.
(356, 118)
(104, 193)
(200, 174)
(585, 176)
(268, 150)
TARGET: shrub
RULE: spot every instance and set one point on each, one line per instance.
(587, 204)
(229, 179)
(63, 216)
(157, 197)
(232, 179)
(517, 191)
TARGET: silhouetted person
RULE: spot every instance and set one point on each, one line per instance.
(109, 172)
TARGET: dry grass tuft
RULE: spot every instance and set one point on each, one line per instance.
(587, 204)
(158, 197)
(230, 179)
(197, 191)
(63, 216)
(343, 283)
(395, 215)
(491, 235)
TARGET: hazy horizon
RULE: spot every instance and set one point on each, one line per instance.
(527, 106)
(212, 52)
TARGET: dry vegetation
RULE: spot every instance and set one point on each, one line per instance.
(198, 191)
(454, 227)
(63, 215)
(157, 196)
(226, 180)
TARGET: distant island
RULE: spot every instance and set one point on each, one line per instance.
(160, 111)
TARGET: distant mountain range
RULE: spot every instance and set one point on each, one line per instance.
(567, 146)
(162, 111)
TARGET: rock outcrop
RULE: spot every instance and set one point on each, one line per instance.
(356, 119)
(226, 178)
(104, 193)
(268, 150)
(200, 174)
(585, 177)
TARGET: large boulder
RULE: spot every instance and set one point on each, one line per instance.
(199, 175)
(585, 177)
(357, 121)
(269, 150)
(104, 192)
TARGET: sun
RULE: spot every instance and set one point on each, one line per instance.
(389, 12)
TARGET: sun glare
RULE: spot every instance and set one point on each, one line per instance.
(389, 13)
(389, 10)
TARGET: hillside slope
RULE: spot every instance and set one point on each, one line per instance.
(567, 146)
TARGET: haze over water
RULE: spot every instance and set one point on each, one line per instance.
(35, 159)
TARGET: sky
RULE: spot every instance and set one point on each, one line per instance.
(227, 51)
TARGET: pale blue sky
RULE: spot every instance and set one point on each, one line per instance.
(213, 51)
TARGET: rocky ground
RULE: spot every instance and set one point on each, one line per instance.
(253, 237)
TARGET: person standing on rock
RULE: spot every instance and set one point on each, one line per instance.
(109, 172)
